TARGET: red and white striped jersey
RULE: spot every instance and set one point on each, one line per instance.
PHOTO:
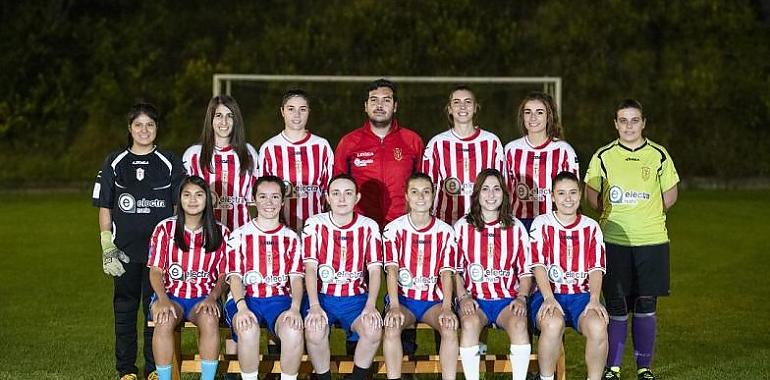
(530, 172)
(420, 256)
(306, 168)
(186, 274)
(230, 190)
(492, 260)
(453, 163)
(568, 253)
(343, 254)
(264, 260)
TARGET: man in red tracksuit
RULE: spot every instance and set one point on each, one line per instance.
(380, 155)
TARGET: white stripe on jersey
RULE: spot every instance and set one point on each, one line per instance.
(264, 259)
(419, 256)
(306, 166)
(231, 190)
(492, 260)
(568, 253)
(186, 274)
(530, 172)
(343, 254)
(453, 163)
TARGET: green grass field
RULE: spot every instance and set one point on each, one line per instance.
(56, 310)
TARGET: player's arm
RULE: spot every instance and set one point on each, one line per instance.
(544, 286)
(395, 317)
(447, 318)
(370, 314)
(595, 278)
(111, 254)
(209, 304)
(163, 309)
(243, 319)
(669, 197)
(316, 317)
(593, 198)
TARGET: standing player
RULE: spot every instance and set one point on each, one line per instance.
(134, 191)
(265, 275)
(420, 260)
(453, 158)
(342, 250)
(632, 182)
(225, 160)
(301, 158)
(534, 159)
(568, 264)
(187, 258)
(380, 155)
(493, 251)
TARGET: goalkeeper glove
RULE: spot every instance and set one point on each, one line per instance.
(112, 256)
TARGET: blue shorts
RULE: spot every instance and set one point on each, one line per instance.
(341, 311)
(572, 304)
(266, 310)
(492, 308)
(417, 307)
(187, 304)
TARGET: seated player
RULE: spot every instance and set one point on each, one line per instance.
(342, 249)
(264, 271)
(568, 265)
(187, 256)
(420, 261)
(493, 281)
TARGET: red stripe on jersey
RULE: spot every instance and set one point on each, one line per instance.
(342, 254)
(186, 274)
(265, 260)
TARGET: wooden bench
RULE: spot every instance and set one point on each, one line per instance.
(343, 364)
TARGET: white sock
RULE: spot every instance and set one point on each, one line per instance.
(249, 376)
(469, 356)
(543, 377)
(520, 360)
(288, 377)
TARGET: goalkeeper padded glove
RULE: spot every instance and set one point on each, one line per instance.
(112, 256)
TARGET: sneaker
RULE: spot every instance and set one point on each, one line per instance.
(153, 375)
(644, 374)
(129, 376)
(611, 373)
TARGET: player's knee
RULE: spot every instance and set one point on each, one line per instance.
(291, 337)
(551, 324)
(518, 325)
(471, 323)
(315, 336)
(208, 322)
(392, 333)
(593, 327)
(616, 306)
(248, 335)
(645, 305)
(447, 334)
(371, 334)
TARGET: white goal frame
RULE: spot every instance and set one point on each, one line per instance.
(551, 85)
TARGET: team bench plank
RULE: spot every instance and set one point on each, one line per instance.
(191, 363)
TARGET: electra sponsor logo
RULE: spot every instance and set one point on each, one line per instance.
(176, 273)
(327, 274)
(362, 162)
(478, 273)
(130, 205)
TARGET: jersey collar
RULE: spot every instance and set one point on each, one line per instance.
(644, 144)
(225, 148)
(424, 229)
(298, 142)
(394, 127)
(269, 232)
(541, 146)
(345, 227)
(476, 133)
(571, 225)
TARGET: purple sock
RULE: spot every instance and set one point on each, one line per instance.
(644, 330)
(616, 337)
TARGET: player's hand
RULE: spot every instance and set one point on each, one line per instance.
(244, 320)
(549, 308)
(519, 307)
(293, 318)
(372, 318)
(163, 311)
(448, 319)
(316, 318)
(395, 317)
(468, 306)
(112, 256)
(207, 306)
(599, 309)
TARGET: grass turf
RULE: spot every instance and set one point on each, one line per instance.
(56, 313)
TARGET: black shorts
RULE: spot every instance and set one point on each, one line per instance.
(637, 271)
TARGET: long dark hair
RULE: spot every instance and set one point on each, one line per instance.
(212, 232)
(138, 109)
(474, 217)
(237, 136)
(281, 184)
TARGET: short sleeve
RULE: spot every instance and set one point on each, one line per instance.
(391, 244)
(309, 242)
(159, 247)
(538, 242)
(104, 186)
(524, 261)
(296, 266)
(178, 173)
(595, 175)
(668, 174)
(375, 246)
(234, 258)
(449, 252)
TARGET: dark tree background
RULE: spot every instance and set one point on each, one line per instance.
(69, 70)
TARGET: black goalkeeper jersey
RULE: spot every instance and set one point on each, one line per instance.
(141, 191)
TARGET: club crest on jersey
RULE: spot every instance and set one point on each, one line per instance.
(645, 173)
(139, 174)
(405, 278)
(398, 154)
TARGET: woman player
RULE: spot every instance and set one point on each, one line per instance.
(343, 259)
(493, 250)
(534, 159)
(568, 264)
(632, 182)
(265, 274)
(225, 160)
(420, 261)
(187, 258)
(134, 190)
(301, 158)
(454, 158)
